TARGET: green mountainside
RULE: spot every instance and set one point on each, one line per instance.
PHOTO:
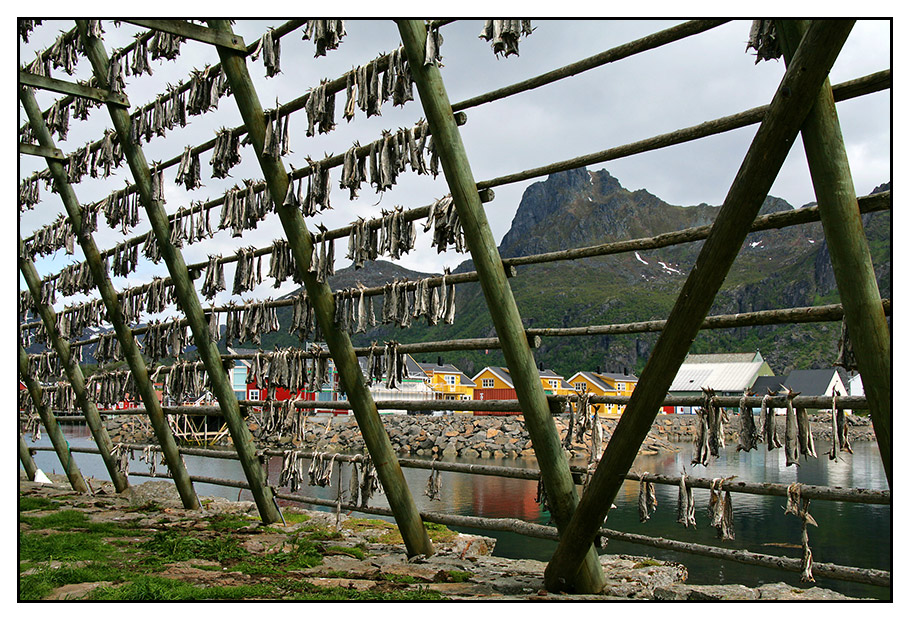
(775, 269)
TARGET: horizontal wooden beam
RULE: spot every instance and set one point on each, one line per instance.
(41, 151)
(195, 32)
(72, 88)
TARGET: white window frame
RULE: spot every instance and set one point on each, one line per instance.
(450, 379)
(253, 395)
(487, 383)
(554, 384)
(581, 386)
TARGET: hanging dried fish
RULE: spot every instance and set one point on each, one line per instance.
(291, 470)
(165, 45)
(354, 170)
(370, 483)
(247, 276)
(835, 433)
(325, 33)
(763, 39)
(434, 484)
(846, 358)
(26, 26)
(503, 34)
(354, 485)
(226, 153)
(320, 110)
(432, 55)
(277, 138)
(270, 47)
(446, 226)
(768, 427)
(804, 427)
(842, 439)
(685, 503)
(701, 455)
(318, 189)
(748, 437)
(721, 513)
(647, 500)
(798, 506)
(115, 80)
(394, 365)
(140, 63)
(214, 277)
(189, 172)
(791, 436)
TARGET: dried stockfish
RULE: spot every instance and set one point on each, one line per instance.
(326, 34)
(226, 153)
(764, 40)
(214, 277)
(503, 34)
(748, 437)
(189, 173)
(270, 47)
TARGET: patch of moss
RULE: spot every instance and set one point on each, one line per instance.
(36, 503)
(648, 562)
(457, 576)
(172, 546)
(225, 522)
(354, 552)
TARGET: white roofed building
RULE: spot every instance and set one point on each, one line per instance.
(728, 374)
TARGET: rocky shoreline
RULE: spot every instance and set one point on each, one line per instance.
(460, 435)
(360, 558)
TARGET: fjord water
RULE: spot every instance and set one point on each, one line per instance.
(847, 534)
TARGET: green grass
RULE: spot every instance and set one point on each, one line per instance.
(227, 522)
(63, 546)
(73, 520)
(174, 546)
(355, 552)
(41, 583)
(162, 589)
(458, 576)
(36, 503)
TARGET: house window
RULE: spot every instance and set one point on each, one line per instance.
(581, 386)
(450, 379)
(487, 383)
(254, 395)
(554, 384)
(620, 387)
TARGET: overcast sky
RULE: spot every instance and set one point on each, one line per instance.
(679, 85)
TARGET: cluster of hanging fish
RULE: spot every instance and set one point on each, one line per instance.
(369, 481)
(446, 225)
(584, 420)
(26, 26)
(400, 306)
(152, 298)
(291, 470)
(164, 340)
(243, 208)
(709, 429)
(61, 397)
(354, 310)
(317, 192)
(763, 39)
(798, 506)
(108, 387)
(48, 239)
(157, 119)
(839, 440)
(32, 424)
(184, 379)
(434, 484)
(189, 172)
(206, 88)
(190, 225)
(720, 507)
(123, 454)
(125, 258)
(367, 90)
(29, 195)
(95, 158)
(214, 277)
(121, 209)
(282, 264)
(108, 349)
(277, 136)
(269, 47)
(73, 320)
(75, 278)
(504, 34)
(320, 109)
(326, 34)
(45, 365)
(225, 154)
(247, 323)
(292, 369)
(647, 498)
(385, 364)
(248, 273)
(303, 319)
(320, 471)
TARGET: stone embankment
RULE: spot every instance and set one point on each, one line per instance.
(358, 556)
(470, 436)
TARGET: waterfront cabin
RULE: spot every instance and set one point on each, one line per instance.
(605, 384)
(728, 374)
(495, 383)
(448, 382)
(820, 382)
(246, 389)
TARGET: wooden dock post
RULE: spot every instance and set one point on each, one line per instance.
(61, 447)
(401, 501)
(848, 246)
(128, 343)
(73, 372)
(184, 290)
(554, 465)
(796, 94)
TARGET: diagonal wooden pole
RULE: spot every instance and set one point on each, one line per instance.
(73, 372)
(554, 466)
(128, 344)
(25, 457)
(848, 246)
(410, 524)
(49, 420)
(791, 103)
(187, 298)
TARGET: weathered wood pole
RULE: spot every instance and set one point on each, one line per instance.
(791, 103)
(554, 466)
(73, 372)
(413, 532)
(848, 246)
(25, 457)
(61, 447)
(128, 343)
(187, 298)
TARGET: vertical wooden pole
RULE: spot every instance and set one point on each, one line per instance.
(25, 457)
(114, 312)
(61, 447)
(848, 246)
(73, 372)
(554, 466)
(185, 292)
(413, 532)
(791, 103)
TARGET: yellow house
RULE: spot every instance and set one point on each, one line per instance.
(605, 384)
(447, 382)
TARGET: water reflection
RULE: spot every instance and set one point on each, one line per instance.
(847, 534)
